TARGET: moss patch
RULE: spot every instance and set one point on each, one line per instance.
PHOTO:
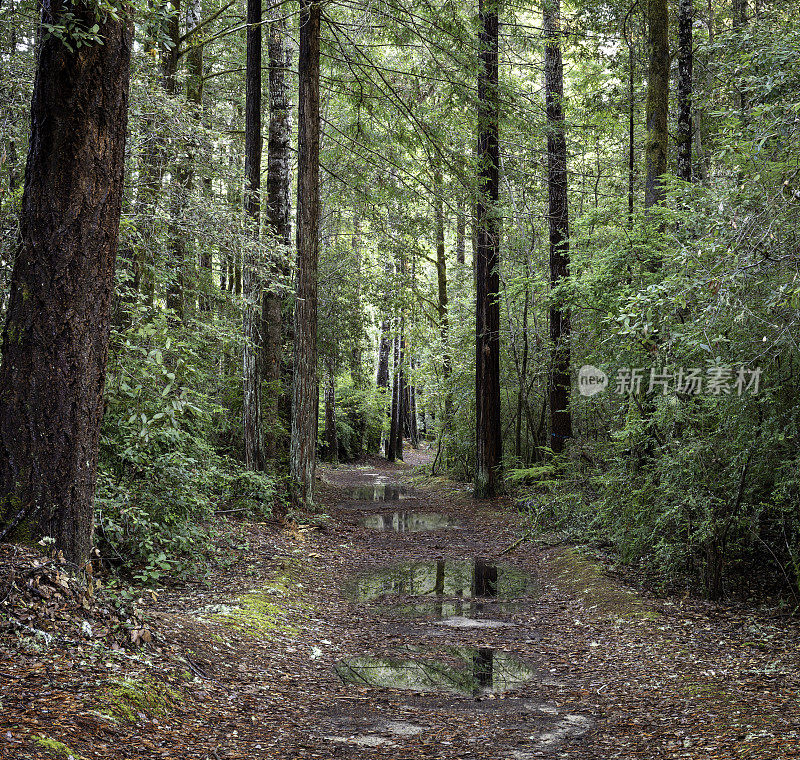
(269, 608)
(126, 699)
(585, 579)
(55, 748)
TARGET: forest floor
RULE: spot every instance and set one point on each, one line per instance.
(335, 639)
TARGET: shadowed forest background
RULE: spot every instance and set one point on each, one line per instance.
(640, 210)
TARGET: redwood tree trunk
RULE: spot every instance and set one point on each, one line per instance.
(277, 220)
(303, 453)
(487, 323)
(251, 375)
(685, 19)
(558, 215)
(55, 341)
(657, 100)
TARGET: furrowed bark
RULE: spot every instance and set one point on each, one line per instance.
(487, 349)
(558, 219)
(303, 455)
(252, 426)
(55, 340)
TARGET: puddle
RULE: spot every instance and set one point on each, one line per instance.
(409, 522)
(381, 492)
(447, 588)
(465, 670)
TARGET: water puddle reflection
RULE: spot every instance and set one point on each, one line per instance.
(464, 670)
(409, 522)
(381, 492)
(446, 588)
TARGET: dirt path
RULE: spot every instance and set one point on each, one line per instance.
(318, 645)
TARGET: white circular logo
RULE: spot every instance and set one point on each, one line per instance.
(591, 380)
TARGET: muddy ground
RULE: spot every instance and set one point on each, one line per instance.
(336, 639)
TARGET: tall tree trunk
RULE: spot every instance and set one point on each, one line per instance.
(739, 9)
(394, 424)
(303, 454)
(461, 229)
(442, 305)
(170, 55)
(657, 100)
(631, 120)
(55, 341)
(487, 323)
(522, 399)
(331, 442)
(356, 355)
(194, 95)
(277, 220)
(685, 21)
(384, 352)
(398, 413)
(412, 410)
(558, 215)
(251, 376)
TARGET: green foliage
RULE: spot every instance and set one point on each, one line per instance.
(161, 476)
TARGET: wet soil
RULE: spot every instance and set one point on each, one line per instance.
(282, 657)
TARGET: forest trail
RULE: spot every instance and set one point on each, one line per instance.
(350, 641)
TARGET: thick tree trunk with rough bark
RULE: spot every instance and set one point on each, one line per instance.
(252, 426)
(303, 454)
(277, 221)
(487, 323)
(685, 21)
(558, 216)
(55, 341)
(657, 107)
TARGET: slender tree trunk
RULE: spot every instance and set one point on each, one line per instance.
(356, 355)
(55, 341)
(251, 377)
(558, 215)
(442, 305)
(685, 21)
(194, 95)
(303, 455)
(631, 123)
(391, 444)
(401, 393)
(384, 351)
(331, 442)
(739, 9)
(412, 411)
(657, 100)
(487, 350)
(170, 54)
(277, 220)
(521, 395)
(461, 230)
